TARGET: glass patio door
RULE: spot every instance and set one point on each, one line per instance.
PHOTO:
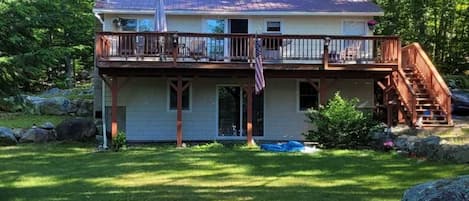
(232, 112)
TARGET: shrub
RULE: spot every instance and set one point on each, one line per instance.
(119, 141)
(340, 124)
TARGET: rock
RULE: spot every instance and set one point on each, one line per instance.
(85, 108)
(76, 129)
(38, 135)
(55, 106)
(456, 189)
(427, 147)
(47, 126)
(459, 154)
(19, 132)
(405, 142)
(7, 137)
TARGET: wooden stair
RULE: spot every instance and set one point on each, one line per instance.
(426, 101)
(428, 110)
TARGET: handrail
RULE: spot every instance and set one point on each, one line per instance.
(406, 92)
(417, 57)
(179, 47)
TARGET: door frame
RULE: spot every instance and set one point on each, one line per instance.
(241, 114)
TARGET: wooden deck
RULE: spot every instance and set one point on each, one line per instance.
(154, 50)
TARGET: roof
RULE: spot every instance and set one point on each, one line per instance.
(243, 6)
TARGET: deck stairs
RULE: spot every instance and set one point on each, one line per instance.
(426, 93)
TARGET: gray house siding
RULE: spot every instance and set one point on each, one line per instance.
(149, 119)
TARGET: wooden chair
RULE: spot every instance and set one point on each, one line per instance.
(197, 49)
(351, 52)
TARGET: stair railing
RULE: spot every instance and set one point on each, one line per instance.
(435, 84)
(406, 93)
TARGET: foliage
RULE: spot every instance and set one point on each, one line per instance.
(70, 171)
(40, 39)
(441, 26)
(340, 124)
(27, 121)
(457, 81)
(119, 141)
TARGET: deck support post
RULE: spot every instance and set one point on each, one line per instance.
(114, 96)
(179, 112)
(249, 91)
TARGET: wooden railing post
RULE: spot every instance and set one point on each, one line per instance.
(325, 58)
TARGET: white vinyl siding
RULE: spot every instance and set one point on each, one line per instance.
(148, 118)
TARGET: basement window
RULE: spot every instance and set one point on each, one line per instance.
(308, 96)
(173, 96)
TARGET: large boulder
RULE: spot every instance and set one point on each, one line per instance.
(7, 137)
(456, 189)
(85, 108)
(406, 143)
(76, 129)
(427, 147)
(19, 132)
(38, 135)
(54, 106)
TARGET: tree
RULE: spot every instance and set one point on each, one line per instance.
(441, 26)
(40, 39)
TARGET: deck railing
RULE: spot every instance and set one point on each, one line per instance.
(200, 47)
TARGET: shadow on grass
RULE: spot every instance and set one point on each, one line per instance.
(75, 172)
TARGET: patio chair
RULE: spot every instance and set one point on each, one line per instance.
(197, 49)
(351, 52)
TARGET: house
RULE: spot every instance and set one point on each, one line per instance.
(195, 82)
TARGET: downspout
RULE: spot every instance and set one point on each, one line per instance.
(99, 18)
(103, 114)
(103, 96)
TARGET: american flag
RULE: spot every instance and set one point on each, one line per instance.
(260, 82)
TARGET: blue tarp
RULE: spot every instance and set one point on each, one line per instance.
(291, 146)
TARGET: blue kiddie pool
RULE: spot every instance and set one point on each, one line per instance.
(290, 146)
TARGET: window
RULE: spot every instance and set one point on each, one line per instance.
(145, 25)
(139, 25)
(273, 25)
(308, 96)
(185, 96)
(129, 24)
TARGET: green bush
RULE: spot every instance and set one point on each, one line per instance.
(457, 81)
(119, 141)
(340, 124)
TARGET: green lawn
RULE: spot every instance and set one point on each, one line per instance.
(27, 120)
(74, 172)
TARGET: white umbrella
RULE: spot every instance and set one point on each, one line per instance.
(160, 17)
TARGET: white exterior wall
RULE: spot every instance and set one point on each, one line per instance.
(148, 117)
(316, 25)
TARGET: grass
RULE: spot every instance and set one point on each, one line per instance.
(214, 172)
(26, 120)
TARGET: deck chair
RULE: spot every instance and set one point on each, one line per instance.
(197, 49)
(351, 52)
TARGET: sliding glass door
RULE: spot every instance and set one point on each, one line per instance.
(232, 112)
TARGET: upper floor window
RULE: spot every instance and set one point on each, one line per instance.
(308, 96)
(138, 25)
(273, 26)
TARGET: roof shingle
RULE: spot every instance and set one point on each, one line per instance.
(244, 5)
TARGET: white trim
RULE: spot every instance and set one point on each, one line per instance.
(226, 13)
(273, 20)
(168, 94)
(298, 81)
